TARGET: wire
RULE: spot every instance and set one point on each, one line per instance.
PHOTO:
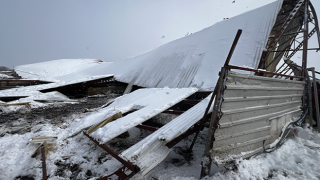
(286, 132)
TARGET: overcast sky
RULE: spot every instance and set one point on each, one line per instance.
(36, 30)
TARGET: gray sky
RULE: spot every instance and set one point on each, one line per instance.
(36, 30)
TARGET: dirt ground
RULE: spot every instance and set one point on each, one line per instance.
(21, 121)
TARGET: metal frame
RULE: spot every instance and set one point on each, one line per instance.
(315, 91)
(126, 165)
(145, 127)
(264, 72)
(305, 12)
(274, 41)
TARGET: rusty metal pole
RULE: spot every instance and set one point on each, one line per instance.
(305, 40)
(310, 98)
(43, 159)
(315, 91)
(207, 161)
(305, 49)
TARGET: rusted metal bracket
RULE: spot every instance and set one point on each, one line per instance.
(262, 71)
(145, 127)
(122, 173)
(173, 112)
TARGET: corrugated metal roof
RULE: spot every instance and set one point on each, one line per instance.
(250, 102)
(151, 151)
(57, 70)
(194, 61)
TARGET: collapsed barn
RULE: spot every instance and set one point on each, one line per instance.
(235, 77)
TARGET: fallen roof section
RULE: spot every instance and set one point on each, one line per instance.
(194, 60)
(148, 102)
(152, 150)
(35, 90)
(58, 70)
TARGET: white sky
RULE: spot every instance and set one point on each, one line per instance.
(35, 30)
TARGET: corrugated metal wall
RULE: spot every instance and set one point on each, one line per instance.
(254, 109)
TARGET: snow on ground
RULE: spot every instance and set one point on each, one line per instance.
(79, 158)
(296, 159)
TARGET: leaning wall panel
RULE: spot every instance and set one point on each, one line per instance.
(254, 110)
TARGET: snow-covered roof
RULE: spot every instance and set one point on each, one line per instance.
(58, 70)
(192, 61)
(148, 102)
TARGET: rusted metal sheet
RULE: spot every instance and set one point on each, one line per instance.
(254, 109)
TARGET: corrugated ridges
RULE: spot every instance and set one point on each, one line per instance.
(249, 104)
(194, 61)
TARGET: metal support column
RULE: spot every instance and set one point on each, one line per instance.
(207, 161)
(310, 98)
(315, 91)
(305, 36)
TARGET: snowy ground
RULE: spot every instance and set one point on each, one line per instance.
(79, 158)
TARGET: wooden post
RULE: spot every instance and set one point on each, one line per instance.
(43, 159)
